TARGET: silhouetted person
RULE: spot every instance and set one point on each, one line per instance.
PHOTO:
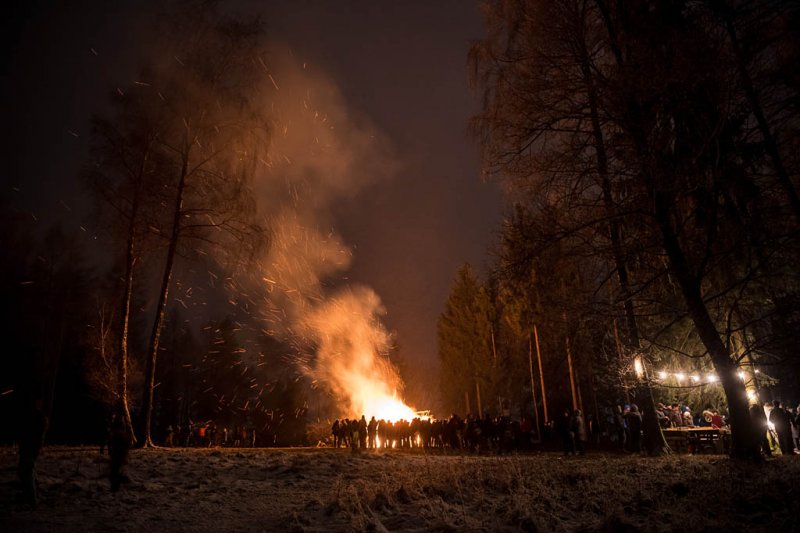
(33, 425)
(372, 432)
(796, 427)
(759, 418)
(211, 433)
(362, 432)
(352, 432)
(578, 428)
(783, 427)
(619, 427)
(119, 447)
(335, 433)
(567, 435)
(634, 420)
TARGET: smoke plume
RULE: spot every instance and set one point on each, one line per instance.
(322, 153)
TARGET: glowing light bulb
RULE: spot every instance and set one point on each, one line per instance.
(680, 376)
(695, 378)
(712, 378)
(662, 375)
(741, 375)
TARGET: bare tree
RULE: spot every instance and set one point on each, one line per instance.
(121, 178)
(208, 151)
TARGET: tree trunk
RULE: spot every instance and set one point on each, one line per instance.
(533, 387)
(122, 368)
(122, 407)
(569, 364)
(158, 322)
(743, 444)
(541, 375)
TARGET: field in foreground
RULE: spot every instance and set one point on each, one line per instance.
(336, 490)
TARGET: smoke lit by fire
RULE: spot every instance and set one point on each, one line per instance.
(322, 155)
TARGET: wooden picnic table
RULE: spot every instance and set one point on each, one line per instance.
(698, 439)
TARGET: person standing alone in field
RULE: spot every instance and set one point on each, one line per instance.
(33, 426)
(119, 447)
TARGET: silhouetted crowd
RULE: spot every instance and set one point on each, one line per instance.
(210, 434)
(619, 427)
(498, 434)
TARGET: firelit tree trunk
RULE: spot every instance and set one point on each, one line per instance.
(123, 408)
(158, 322)
(744, 444)
(122, 368)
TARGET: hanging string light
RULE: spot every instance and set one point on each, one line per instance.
(695, 378)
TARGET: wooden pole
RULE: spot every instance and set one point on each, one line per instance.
(569, 363)
(494, 350)
(541, 374)
(478, 396)
(466, 401)
(533, 386)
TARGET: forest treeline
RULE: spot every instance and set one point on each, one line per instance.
(649, 152)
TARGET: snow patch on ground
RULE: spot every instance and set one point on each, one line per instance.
(316, 490)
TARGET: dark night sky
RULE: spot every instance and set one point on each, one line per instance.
(402, 64)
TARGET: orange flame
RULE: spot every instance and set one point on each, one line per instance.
(374, 400)
(350, 339)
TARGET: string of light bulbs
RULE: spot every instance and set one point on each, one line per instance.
(695, 377)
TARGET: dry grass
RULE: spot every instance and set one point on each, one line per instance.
(336, 490)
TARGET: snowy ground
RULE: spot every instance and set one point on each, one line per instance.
(337, 490)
